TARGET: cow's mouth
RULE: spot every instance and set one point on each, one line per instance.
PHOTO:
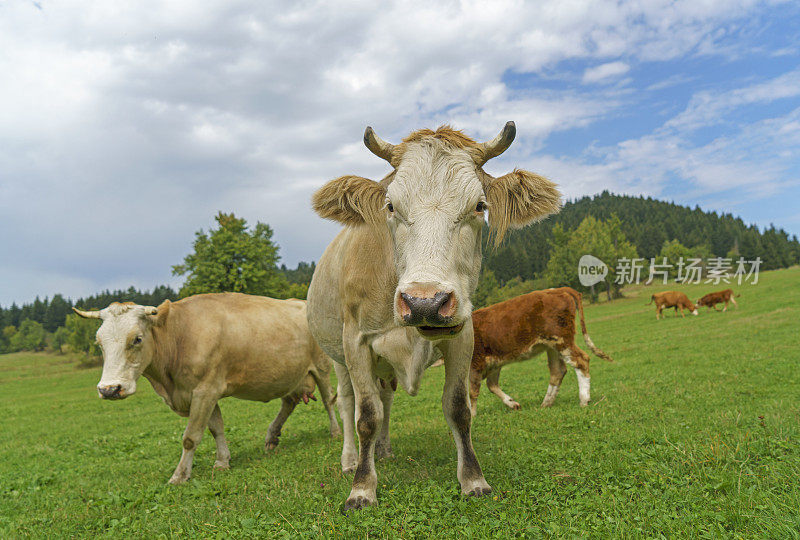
(440, 331)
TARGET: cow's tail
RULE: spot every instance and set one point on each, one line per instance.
(586, 338)
(651, 300)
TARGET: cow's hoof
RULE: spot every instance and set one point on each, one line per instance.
(178, 479)
(222, 465)
(356, 503)
(479, 491)
(515, 406)
(383, 451)
(585, 403)
(271, 445)
(547, 403)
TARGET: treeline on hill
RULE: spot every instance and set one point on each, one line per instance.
(234, 257)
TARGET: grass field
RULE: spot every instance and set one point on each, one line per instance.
(692, 432)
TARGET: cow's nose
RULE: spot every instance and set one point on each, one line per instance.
(435, 310)
(110, 392)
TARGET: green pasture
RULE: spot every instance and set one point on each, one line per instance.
(692, 432)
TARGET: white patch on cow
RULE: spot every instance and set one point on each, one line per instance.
(694, 312)
(583, 387)
(435, 227)
(550, 396)
(123, 362)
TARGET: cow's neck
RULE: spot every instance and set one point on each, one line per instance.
(159, 372)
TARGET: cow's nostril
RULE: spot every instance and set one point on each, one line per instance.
(111, 391)
(431, 310)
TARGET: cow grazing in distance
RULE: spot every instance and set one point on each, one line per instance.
(672, 299)
(523, 327)
(391, 293)
(201, 349)
(712, 299)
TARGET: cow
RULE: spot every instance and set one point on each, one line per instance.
(672, 299)
(391, 293)
(203, 348)
(523, 327)
(712, 299)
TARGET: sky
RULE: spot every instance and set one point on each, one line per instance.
(126, 126)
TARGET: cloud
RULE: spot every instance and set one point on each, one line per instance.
(125, 127)
(606, 71)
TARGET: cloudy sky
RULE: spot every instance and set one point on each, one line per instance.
(125, 126)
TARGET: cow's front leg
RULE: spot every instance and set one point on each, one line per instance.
(383, 446)
(347, 410)
(493, 383)
(475, 379)
(217, 429)
(288, 403)
(457, 355)
(202, 405)
(369, 416)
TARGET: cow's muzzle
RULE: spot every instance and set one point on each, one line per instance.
(113, 391)
(436, 310)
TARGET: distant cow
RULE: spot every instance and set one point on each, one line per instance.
(207, 347)
(672, 299)
(523, 327)
(712, 299)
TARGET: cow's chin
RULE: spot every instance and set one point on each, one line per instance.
(435, 333)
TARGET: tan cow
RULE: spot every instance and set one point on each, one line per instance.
(201, 349)
(524, 327)
(672, 299)
(712, 299)
(391, 293)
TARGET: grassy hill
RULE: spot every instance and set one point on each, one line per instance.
(647, 223)
(692, 432)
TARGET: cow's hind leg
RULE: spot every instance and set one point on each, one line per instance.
(288, 403)
(346, 402)
(200, 410)
(324, 384)
(557, 371)
(383, 446)
(475, 379)
(457, 355)
(217, 429)
(579, 360)
(493, 384)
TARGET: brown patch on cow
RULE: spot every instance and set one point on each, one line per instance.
(671, 299)
(463, 421)
(712, 299)
(188, 443)
(366, 426)
(520, 328)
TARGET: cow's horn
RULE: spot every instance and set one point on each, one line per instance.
(499, 144)
(150, 310)
(378, 146)
(88, 314)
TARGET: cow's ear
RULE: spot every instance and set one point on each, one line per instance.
(351, 200)
(519, 198)
(159, 318)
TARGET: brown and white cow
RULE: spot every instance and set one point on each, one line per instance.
(712, 299)
(201, 349)
(391, 293)
(522, 328)
(672, 299)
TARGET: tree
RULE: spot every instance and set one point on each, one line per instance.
(233, 258)
(5, 338)
(60, 337)
(602, 239)
(31, 336)
(674, 251)
(81, 335)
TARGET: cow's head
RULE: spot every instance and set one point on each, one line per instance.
(434, 204)
(127, 343)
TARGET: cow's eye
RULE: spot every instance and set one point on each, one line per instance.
(480, 207)
(390, 207)
(137, 340)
